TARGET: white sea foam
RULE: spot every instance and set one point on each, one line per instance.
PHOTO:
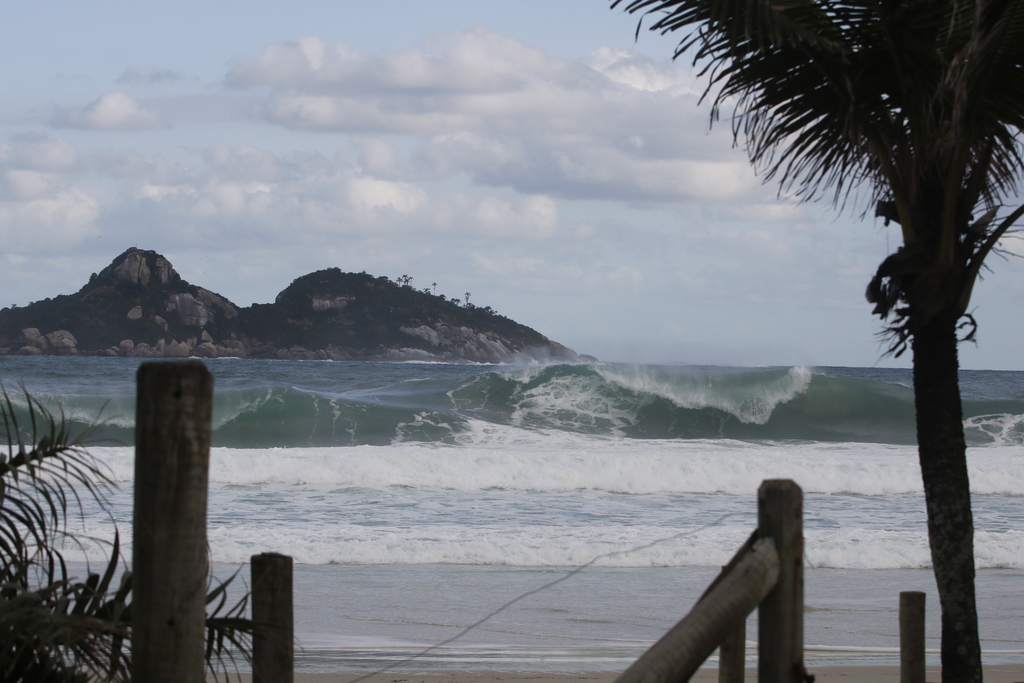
(564, 546)
(566, 462)
(515, 497)
(575, 546)
(753, 402)
(1003, 429)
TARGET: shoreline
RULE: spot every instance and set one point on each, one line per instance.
(996, 673)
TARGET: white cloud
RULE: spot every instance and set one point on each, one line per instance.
(230, 193)
(534, 217)
(370, 194)
(476, 60)
(40, 207)
(790, 212)
(640, 73)
(379, 158)
(38, 153)
(114, 111)
(506, 264)
(618, 127)
(242, 162)
(49, 222)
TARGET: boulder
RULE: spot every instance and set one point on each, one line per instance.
(296, 353)
(133, 270)
(338, 354)
(62, 342)
(127, 344)
(135, 313)
(206, 350)
(165, 273)
(235, 348)
(161, 323)
(30, 351)
(30, 337)
(205, 336)
(189, 309)
(141, 350)
(178, 350)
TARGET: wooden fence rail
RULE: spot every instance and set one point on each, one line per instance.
(682, 650)
(767, 572)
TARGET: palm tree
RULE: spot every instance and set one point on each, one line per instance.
(921, 103)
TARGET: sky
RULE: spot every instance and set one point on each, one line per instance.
(532, 153)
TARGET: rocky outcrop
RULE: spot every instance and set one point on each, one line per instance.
(139, 306)
(462, 343)
(62, 342)
(326, 303)
(202, 308)
(165, 273)
(189, 309)
(58, 342)
(133, 270)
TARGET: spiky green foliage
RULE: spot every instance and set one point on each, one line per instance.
(54, 627)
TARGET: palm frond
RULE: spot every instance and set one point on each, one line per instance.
(44, 471)
(228, 631)
(65, 631)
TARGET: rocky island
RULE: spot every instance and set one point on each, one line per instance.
(140, 306)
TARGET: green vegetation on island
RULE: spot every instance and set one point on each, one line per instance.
(140, 306)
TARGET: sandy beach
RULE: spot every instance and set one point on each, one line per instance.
(1005, 673)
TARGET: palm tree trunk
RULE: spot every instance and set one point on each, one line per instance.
(943, 456)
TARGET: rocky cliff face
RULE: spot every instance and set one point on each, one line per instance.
(140, 306)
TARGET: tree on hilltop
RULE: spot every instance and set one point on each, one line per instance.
(921, 102)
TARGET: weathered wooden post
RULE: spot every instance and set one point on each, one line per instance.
(172, 460)
(732, 655)
(780, 649)
(273, 653)
(912, 637)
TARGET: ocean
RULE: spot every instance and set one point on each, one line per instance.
(418, 499)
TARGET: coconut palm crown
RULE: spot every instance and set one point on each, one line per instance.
(917, 106)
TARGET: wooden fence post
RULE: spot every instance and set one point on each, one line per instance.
(912, 637)
(732, 655)
(172, 460)
(273, 653)
(780, 649)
